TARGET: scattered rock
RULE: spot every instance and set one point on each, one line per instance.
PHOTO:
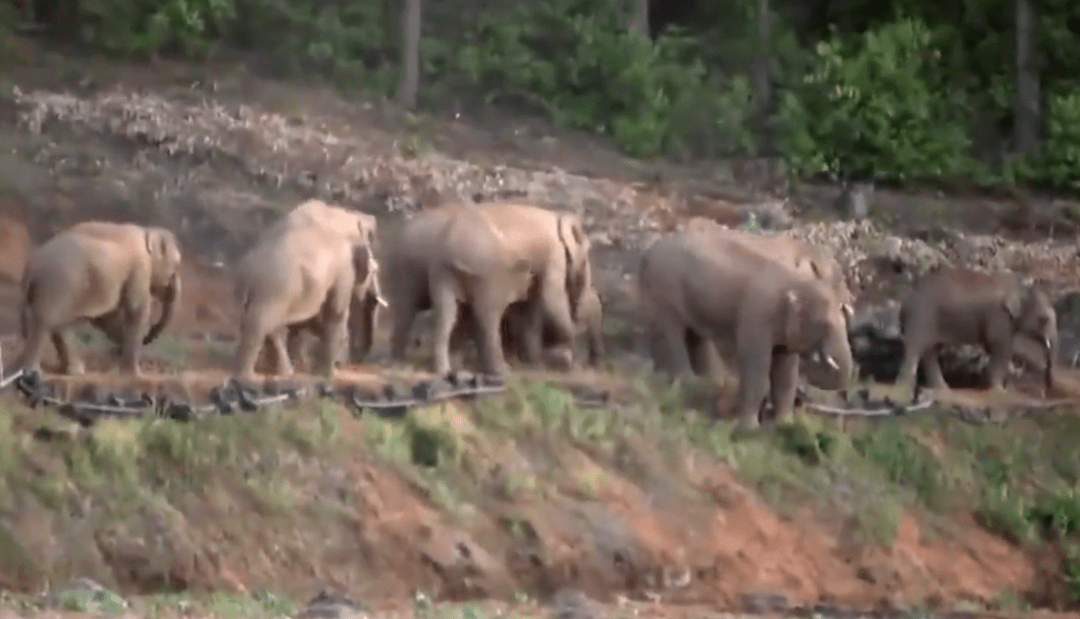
(329, 606)
(761, 602)
(86, 596)
(574, 604)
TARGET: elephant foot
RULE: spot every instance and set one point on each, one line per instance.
(745, 427)
(785, 418)
(248, 377)
(72, 368)
(561, 360)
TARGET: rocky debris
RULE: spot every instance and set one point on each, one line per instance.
(87, 596)
(326, 605)
(762, 602)
(326, 158)
(574, 604)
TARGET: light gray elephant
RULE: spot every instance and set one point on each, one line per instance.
(963, 306)
(295, 277)
(105, 273)
(361, 229)
(763, 312)
(487, 256)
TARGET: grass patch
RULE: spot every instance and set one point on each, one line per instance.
(156, 477)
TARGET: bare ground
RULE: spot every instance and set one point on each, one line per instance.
(215, 153)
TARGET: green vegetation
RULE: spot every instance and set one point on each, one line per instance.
(162, 478)
(900, 92)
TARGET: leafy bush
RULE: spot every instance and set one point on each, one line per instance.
(1057, 164)
(875, 108)
(575, 61)
(149, 26)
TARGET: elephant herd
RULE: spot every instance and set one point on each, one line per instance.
(517, 279)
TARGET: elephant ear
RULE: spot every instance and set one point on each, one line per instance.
(1013, 301)
(163, 249)
(576, 246)
(368, 227)
(791, 316)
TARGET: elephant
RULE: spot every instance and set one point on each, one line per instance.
(362, 315)
(359, 228)
(107, 273)
(762, 311)
(588, 324)
(487, 256)
(803, 258)
(300, 276)
(964, 306)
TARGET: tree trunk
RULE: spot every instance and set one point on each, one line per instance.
(410, 69)
(639, 16)
(1026, 107)
(762, 73)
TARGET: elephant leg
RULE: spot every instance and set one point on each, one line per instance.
(908, 375)
(446, 316)
(334, 332)
(136, 318)
(278, 342)
(998, 367)
(931, 366)
(362, 331)
(36, 335)
(294, 349)
(404, 317)
(755, 364)
(672, 348)
(555, 308)
(488, 312)
(253, 334)
(784, 380)
(529, 325)
(70, 363)
(703, 356)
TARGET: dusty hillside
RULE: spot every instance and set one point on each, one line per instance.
(523, 493)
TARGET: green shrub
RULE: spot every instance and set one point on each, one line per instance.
(575, 61)
(1057, 164)
(149, 26)
(875, 108)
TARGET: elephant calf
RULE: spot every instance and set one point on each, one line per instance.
(105, 273)
(963, 306)
(763, 311)
(486, 257)
(589, 324)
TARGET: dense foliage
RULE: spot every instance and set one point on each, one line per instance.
(902, 91)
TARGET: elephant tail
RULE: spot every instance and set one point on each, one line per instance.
(29, 295)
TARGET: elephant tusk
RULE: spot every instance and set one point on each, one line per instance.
(1046, 343)
(381, 301)
(832, 362)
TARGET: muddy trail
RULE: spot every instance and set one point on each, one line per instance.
(611, 482)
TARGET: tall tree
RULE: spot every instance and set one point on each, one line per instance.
(409, 88)
(639, 16)
(1026, 107)
(762, 73)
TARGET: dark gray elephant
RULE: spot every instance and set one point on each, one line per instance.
(762, 311)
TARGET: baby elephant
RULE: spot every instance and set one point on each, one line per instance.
(588, 325)
(962, 306)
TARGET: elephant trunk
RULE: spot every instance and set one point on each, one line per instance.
(1049, 344)
(170, 295)
(837, 353)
